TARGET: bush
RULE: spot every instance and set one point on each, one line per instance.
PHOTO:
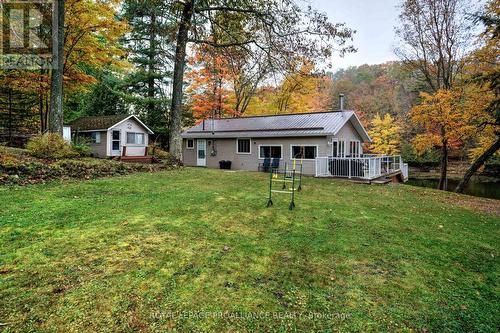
(155, 150)
(82, 149)
(429, 158)
(51, 146)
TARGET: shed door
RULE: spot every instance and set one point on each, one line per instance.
(115, 143)
(201, 156)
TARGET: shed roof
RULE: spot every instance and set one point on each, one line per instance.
(103, 123)
(298, 124)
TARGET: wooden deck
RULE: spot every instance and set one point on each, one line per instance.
(136, 159)
(366, 167)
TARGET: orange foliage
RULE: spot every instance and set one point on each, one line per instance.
(449, 117)
(300, 91)
(209, 92)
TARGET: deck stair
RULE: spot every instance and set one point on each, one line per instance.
(381, 180)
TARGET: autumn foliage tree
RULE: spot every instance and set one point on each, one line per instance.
(435, 36)
(210, 77)
(442, 118)
(92, 41)
(385, 135)
(301, 90)
(485, 75)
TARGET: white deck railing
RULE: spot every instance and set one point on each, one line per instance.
(365, 167)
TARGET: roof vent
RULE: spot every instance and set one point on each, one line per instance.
(341, 102)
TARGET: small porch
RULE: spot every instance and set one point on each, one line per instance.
(366, 167)
(136, 158)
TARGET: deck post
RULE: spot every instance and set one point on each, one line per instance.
(349, 160)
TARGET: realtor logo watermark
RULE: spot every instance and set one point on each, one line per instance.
(28, 37)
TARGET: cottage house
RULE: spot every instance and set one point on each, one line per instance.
(109, 136)
(324, 143)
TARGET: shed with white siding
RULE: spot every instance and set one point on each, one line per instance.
(117, 135)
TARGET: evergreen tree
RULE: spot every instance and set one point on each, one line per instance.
(147, 88)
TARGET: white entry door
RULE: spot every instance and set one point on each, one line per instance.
(201, 159)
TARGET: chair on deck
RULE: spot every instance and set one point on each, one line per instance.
(265, 165)
(275, 164)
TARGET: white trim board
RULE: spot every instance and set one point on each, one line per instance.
(304, 145)
(135, 117)
(269, 145)
(250, 153)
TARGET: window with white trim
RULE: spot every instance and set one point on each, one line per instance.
(190, 144)
(270, 151)
(338, 148)
(304, 152)
(354, 148)
(92, 137)
(135, 138)
(243, 146)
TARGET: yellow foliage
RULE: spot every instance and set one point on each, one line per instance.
(93, 35)
(442, 117)
(450, 117)
(385, 135)
(300, 91)
(485, 139)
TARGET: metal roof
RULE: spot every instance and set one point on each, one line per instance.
(298, 124)
(102, 123)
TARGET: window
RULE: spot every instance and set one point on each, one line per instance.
(270, 151)
(96, 137)
(338, 148)
(115, 141)
(92, 137)
(135, 138)
(243, 146)
(354, 148)
(304, 152)
(335, 148)
(190, 143)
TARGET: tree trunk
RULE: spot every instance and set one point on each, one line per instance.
(151, 67)
(40, 104)
(56, 86)
(444, 160)
(477, 164)
(179, 64)
(444, 167)
(10, 116)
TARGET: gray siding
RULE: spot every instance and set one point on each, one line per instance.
(99, 149)
(226, 150)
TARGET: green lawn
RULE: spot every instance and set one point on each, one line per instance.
(196, 250)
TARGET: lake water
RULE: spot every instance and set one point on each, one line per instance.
(475, 187)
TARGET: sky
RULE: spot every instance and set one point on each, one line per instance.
(374, 21)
